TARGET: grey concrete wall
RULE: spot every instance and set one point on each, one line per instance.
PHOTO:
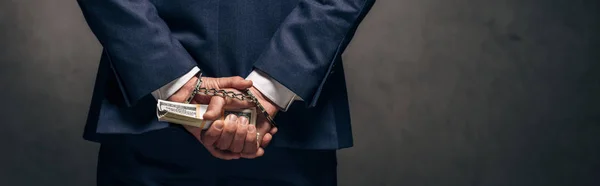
(48, 62)
(443, 92)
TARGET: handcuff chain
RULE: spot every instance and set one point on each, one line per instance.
(224, 93)
(229, 94)
(215, 92)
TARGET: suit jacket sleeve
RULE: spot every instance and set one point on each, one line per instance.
(143, 54)
(302, 51)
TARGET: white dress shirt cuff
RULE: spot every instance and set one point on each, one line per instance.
(169, 89)
(273, 90)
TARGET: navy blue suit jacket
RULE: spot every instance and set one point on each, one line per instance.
(149, 43)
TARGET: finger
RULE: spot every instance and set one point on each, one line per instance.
(260, 152)
(236, 82)
(234, 103)
(273, 130)
(266, 139)
(213, 133)
(251, 146)
(240, 135)
(221, 154)
(228, 132)
(215, 107)
(202, 99)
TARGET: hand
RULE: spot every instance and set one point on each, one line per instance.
(224, 139)
(262, 124)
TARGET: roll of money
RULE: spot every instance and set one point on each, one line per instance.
(191, 114)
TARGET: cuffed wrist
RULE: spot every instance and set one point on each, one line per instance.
(169, 89)
(275, 92)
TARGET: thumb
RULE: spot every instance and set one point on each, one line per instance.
(266, 140)
(214, 109)
(212, 135)
(273, 130)
(236, 82)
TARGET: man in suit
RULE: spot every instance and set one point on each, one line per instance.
(289, 53)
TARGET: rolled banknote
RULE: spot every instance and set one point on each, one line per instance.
(191, 114)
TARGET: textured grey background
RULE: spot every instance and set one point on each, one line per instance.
(443, 92)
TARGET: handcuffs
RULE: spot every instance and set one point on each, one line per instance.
(250, 96)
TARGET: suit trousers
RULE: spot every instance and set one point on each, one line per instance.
(173, 157)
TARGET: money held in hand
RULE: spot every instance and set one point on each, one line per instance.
(191, 114)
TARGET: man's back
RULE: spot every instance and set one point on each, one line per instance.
(229, 38)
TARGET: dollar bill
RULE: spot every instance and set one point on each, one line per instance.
(248, 115)
(191, 114)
